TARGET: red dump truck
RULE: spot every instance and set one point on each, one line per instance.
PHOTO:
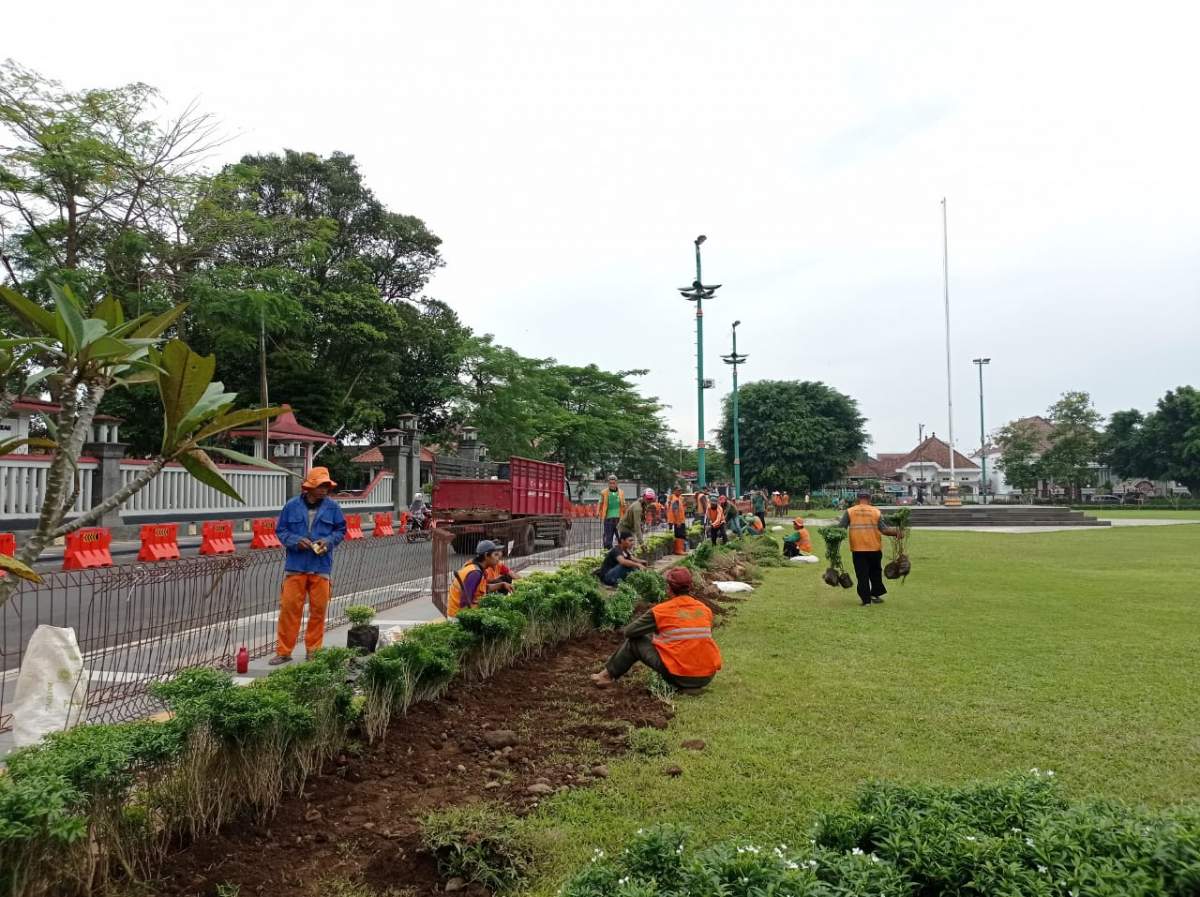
(530, 505)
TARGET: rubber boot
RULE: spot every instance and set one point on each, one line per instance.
(680, 546)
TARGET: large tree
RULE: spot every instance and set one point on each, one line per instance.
(793, 435)
(94, 187)
(581, 416)
(297, 245)
(1020, 455)
(1074, 442)
(1164, 444)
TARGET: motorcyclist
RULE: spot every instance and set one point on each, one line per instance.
(418, 511)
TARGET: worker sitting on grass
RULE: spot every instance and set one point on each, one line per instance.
(799, 542)
(673, 638)
(472, 582)
(620, 562)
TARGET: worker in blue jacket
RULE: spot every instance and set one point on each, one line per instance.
(310, 526)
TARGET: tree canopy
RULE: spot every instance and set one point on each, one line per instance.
(1164, 444)
(793, 435)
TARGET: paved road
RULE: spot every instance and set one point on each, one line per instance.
(138, 622)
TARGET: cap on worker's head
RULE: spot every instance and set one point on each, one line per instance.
(864, 493)
(318, 476)
(722, 498)
(486, 546)
(776, 492)
(648, 495)
(612, 479)
(679, 579)
(798, 522)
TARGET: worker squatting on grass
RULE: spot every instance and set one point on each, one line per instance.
(673, 638)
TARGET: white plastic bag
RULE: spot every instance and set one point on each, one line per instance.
(730, 588)
(51, 687)
(777, 529)
(805, 559)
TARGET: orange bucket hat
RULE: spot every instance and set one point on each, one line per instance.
(798, 522)
(318, 476)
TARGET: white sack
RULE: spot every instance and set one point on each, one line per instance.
(51, 687)
(805, 559)
(732, 587)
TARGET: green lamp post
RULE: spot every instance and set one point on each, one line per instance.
(733, 359)
(697, 293)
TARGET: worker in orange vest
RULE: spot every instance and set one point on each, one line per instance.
(716, 520)
(865, 524)
(677, 518)
(610, 509)
(702, 502)
(471, 582)
(799, 542)
(777, 503)
(673, 638)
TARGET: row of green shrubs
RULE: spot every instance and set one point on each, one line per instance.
(1016, 838)
(104, 800)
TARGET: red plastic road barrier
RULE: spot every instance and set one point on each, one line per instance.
(264, 533)
(159, 542)
(383, 525)
(8, 545)
(87, 548)
(404, 518)
(353, 527)
(217, 537)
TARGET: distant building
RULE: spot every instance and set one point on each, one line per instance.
(922, 473)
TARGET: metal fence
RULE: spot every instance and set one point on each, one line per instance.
(140, 623)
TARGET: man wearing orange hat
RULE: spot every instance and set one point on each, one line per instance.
(310, 526)
(798, 542)
(673, 638)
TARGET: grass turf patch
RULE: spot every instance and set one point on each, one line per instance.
(1065, 650)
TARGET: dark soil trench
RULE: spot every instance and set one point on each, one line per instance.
(359, 821)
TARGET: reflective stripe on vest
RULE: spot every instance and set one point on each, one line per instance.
(454, 600)
(864, 528)
(684, 638)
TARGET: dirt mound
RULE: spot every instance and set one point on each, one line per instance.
(360, 819)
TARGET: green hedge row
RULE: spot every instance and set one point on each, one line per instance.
(101, 799)
(1019, 837)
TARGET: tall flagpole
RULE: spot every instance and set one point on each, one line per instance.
(951, 497)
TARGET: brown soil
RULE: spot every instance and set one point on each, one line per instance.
(360, 819)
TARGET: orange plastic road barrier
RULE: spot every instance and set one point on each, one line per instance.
(353, 527)
(159, 542)
(217, 537)
(8, 545)
(383, 525)
(264, 533)
(404, 518)
(87, 548)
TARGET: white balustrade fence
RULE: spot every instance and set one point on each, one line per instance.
(175, 491)
(378, 492)
(23, 483)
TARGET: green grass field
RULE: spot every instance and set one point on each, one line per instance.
(1071, 651)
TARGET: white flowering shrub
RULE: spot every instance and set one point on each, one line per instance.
(1020, 836)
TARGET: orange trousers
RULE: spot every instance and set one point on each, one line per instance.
(296, 587)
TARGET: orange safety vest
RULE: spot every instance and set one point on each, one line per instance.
(703, 502)
(716, 516)
(602, 504)
(864, 528)
(756, 525)
(676, 510)
(455, 599)
(804, 540)
(684, 639)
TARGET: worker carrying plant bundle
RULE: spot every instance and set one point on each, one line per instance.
(673, 638)
(865, 524)
(799, 542)
(472, 582)
(677, 519)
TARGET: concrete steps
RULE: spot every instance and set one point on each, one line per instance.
(1001, 515)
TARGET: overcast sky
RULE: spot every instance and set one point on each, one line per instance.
(568, 153)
